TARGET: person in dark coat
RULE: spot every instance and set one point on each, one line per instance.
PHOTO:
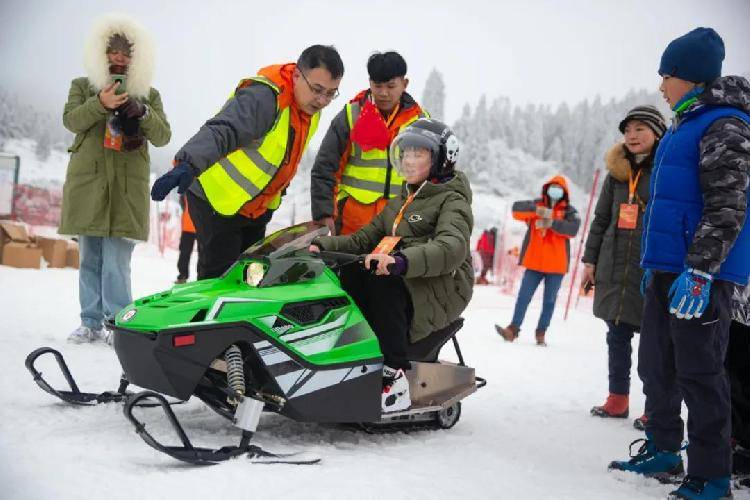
(613, 248)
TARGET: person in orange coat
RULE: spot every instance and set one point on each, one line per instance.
(187, 242)
(552, 222)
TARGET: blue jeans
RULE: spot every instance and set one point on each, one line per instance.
(103, 278)
(529, 284)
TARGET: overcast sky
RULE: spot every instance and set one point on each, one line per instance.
(531, 51)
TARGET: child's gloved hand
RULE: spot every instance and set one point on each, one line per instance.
(690, 294)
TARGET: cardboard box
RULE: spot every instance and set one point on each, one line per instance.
(21, 254)
(12, 231)
(71, 255)
(54, 250)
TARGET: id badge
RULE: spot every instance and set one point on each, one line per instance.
(628, 216)
(387, 244)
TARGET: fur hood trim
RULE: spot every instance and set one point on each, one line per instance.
(617, 163)
(141, 68)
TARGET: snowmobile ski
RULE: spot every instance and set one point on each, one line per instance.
(259, 456)
(205, 456)
(74, 396)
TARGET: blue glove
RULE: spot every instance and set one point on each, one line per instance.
(690, 294)
(648, 274)
(181, 175)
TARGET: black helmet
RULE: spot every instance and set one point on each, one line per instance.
(429, 134)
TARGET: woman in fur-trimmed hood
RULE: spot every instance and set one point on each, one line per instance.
(612, 255)
(114, 113)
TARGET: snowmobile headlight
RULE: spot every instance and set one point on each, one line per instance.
(254, 273)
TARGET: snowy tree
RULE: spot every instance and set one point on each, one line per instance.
(575, 138)
(43, 146)
(433, 97)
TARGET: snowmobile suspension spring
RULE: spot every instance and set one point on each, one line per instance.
(235, 373)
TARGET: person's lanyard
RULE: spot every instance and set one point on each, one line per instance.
(393, 114)
(632, 185)
(400, 214)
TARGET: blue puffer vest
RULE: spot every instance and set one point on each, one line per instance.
(676, 203)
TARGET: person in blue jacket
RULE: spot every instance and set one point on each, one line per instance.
(695, 248)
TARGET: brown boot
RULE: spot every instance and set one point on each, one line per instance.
(616, 406)
(510, 333)
(540, 338)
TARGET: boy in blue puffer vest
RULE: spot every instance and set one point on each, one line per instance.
(696, 245)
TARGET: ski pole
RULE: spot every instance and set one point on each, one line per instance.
(580, 244)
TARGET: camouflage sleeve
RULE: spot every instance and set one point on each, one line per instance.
(741, 304)
(724, 172)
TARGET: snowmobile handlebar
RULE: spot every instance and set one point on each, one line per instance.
(341, 259)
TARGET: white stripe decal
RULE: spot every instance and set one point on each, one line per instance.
(227, 300)
(328, 326)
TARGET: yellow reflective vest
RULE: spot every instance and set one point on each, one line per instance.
(366, 173)
(245, 172)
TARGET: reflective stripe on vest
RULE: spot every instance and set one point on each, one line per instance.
(244, 173)
(365, 174)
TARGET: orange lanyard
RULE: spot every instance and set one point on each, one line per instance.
(400, 214)
(393, 114)
(633, 184)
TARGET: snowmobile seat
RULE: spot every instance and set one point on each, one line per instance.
(427, 349)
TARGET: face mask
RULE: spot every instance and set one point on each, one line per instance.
(555, 192)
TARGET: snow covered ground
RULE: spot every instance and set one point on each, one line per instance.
(528, 434)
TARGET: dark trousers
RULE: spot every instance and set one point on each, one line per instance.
(221, 240)
(738, 368)
(187, 242)
(386, 305)
(620, 350)
(681, 359)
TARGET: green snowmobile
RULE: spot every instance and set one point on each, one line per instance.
(277, 333)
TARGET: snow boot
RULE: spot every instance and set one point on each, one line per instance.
(539, 336)
(180, 281)
(509, 334)
(696, 488)
(395, 396)
(108, 336)
(616, 406)
(640, 422)
(84, 335)
(664, 466)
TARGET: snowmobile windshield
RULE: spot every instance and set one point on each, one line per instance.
(286, 241)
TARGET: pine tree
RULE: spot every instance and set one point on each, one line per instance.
(433, 97)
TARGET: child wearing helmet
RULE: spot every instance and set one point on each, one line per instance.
(417, 250)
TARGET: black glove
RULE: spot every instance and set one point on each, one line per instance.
(133, 108)
(181, 175)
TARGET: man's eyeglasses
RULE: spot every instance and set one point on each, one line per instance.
(321, 91)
